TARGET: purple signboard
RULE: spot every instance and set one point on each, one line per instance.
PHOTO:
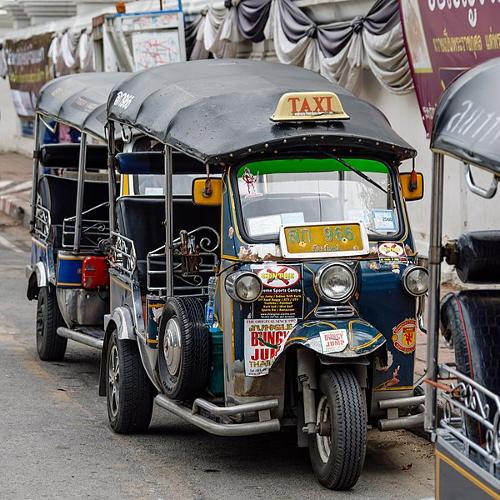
(443, 39)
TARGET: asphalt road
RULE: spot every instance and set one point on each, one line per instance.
(55, 441)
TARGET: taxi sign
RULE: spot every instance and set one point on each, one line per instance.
(301, 106)
(329, 239)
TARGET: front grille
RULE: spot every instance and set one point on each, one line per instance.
(340, 311)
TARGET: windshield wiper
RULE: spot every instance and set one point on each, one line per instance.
(358, 172)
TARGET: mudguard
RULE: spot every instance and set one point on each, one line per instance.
(362, 338)
(37, 278)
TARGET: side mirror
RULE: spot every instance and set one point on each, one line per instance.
(207, 191)
(412, 185)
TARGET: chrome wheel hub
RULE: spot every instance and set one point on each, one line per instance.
(172, 346)
(114, 380)
(323, 422)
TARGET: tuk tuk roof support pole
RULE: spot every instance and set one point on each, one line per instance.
(79, 194)
(169, 285)
(36, 163)
(435, 257)
(111, 174)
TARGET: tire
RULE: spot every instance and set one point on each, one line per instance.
(129, 392)
(337, 458)
(184, 360)
(50, 346)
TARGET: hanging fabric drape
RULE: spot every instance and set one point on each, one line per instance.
(252, 16)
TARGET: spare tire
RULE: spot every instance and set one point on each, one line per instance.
(184, 359)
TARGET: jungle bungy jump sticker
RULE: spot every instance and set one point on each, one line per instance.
(263, 340)
(404, 336)
(390, 252)
(282, 294)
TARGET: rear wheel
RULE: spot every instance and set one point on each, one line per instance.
(338, 449)
(129, 392)
(50, 346)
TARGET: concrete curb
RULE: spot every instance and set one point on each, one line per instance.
(19, 210)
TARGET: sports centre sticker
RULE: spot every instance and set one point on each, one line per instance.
(282, 293)
(263, 340)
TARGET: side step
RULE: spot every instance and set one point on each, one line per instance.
(221, 429)
(93, 337)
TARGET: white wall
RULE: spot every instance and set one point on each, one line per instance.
(10, 127)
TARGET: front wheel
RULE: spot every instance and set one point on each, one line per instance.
(129, 392)
(49, 345)
(338, 449)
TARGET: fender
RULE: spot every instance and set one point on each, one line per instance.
(38, 278)
(363, 338)
(121, 322)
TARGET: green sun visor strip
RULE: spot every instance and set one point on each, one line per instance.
(312, 165)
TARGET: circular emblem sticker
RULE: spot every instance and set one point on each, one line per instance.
(404, 336)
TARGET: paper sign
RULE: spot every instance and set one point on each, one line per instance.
(333, 341)
(263, 339)
(383, 220)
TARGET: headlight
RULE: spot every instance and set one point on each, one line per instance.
(243, 286)
(336, 282)
(415, 280)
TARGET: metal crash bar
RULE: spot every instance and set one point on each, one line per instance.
(223, 429)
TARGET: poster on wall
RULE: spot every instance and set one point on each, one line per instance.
(443, 39)
(152, 48)
(28, 69)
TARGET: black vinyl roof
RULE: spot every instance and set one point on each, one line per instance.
(218, 109)
(467, 118)
(79, 100)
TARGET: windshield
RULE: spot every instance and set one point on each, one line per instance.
(301, 191)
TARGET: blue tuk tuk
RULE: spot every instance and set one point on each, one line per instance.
(68, 273)
(285, 289)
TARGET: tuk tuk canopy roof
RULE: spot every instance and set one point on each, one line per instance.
(218, 109)
(467, 118)
(79, 100)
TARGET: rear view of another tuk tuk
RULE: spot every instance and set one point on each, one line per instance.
(305, 314)
(68, 275)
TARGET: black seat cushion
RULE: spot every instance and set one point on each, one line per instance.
(142, 219)
(472, 320)
(58, 195)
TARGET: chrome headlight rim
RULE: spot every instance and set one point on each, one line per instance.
(404, 277)
(345, 297)
(231, 281)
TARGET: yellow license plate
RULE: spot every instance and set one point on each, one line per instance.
(325, 239)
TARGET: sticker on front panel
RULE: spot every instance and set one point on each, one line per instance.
(384, 220)
(404, 336)
(333, 341)
(282, 294)
(390, 252)
(263, 340)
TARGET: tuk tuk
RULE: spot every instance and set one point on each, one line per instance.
(467, 434)
(285, 289)
(70, 215)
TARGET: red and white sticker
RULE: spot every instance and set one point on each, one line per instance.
(404, 336)
(333, 341)
(264, 339)
(278, 276)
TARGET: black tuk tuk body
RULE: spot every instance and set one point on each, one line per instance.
(244, 323)
(70, 214)
(467, 436)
